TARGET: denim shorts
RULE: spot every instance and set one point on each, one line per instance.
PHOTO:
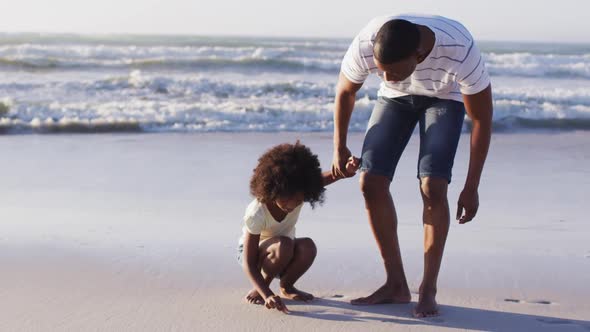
(391, 125)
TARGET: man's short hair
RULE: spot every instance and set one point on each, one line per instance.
(396, 40)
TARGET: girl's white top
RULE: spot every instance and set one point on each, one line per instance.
(258, 220)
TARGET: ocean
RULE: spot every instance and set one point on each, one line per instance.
(124, 83)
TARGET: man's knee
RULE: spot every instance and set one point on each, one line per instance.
(433, 189)
(373, 186)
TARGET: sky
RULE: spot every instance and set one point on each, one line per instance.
(502, 20)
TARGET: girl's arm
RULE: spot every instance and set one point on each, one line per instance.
(329, 178)
(251, 265)
(252, 270)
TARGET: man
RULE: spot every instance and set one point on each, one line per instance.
(432, 73)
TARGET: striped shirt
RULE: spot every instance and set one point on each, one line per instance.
(453, 68)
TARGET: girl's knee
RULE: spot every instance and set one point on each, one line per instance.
(306, 247)
(284, 250)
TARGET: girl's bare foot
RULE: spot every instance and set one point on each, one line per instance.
(254, 298)
(426, 307)
(293, 293)
(385, 294)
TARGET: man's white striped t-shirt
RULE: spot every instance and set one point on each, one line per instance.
(454, 66)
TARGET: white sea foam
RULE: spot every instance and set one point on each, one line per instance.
(208, 84)
(269, 57)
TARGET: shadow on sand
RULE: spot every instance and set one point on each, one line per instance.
(452, 317)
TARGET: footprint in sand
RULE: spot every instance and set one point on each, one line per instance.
(337, 296)
(331, 296)
(530, 302)
(513, 300)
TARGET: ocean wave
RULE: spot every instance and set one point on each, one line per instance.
(539, 65)
(50, 126)
(506, 65)
(196, 64)
(516, 123)
(538, 95)
(143, 93)
(55, 57)
(168, 41)
(79, 85)
(141, 85)
(210, 113)
(278, 56)
(204, 113)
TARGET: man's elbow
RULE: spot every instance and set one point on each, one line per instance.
(480, 106)
(345, 93)
(346, 88)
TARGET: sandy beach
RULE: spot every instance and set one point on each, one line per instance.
(137, 232)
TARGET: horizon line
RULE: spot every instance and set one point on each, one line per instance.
(248, 36)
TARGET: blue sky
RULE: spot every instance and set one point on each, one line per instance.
(515, 20)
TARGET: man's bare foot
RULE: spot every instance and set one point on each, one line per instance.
(426, 307)
(254, 298)
(385, 294)
(293, 293)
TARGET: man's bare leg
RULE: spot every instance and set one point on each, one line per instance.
(303, 256)
(275, 254)
(436, 227)
(383, 220)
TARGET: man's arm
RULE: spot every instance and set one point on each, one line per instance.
(344, 104)
(479, 107)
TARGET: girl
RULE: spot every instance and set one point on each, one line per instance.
(286, 176)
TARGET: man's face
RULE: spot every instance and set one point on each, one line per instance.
(399, 70)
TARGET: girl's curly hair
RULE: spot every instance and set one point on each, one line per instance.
(285, 170)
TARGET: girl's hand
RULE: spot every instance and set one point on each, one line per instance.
(275, 302)
(352, 165)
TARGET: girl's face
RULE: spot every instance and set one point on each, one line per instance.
(289, 203)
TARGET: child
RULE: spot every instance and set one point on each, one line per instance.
(286, 176)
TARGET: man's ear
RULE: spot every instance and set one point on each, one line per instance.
(420, 56)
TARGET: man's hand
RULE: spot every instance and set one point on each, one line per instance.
(341, 156)
(275, 302)
(468, 201)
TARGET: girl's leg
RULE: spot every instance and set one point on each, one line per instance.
(303, 256)
(275, 254)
